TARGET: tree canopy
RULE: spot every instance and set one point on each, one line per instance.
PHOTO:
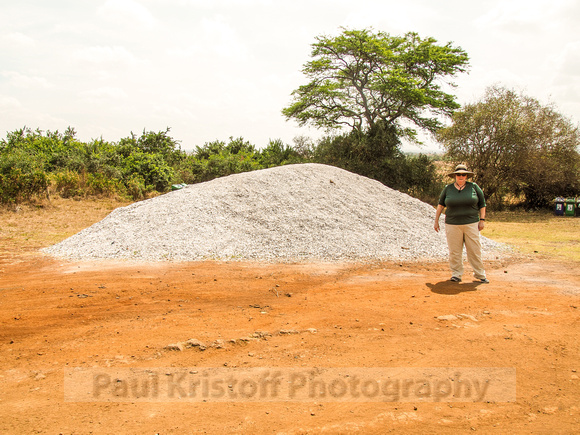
(516, 146)
(361, 79)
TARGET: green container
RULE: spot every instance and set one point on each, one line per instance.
(569, 206)
(578, 207)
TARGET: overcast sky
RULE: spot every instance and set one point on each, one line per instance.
(211, 69)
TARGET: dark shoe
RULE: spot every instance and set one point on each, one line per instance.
(483, 280)
(455, 279)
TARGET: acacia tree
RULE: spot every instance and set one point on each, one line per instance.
(365, 80)
(516, 146)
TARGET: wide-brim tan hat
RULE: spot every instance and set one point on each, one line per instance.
(460, 169)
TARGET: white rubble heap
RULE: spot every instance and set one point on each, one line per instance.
(284, 214)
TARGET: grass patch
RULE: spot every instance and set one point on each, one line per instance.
(27, 228)
(536, 233)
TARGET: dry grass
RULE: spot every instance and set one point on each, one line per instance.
(27, 228)
(536, 233)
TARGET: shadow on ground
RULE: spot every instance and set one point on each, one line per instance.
(453, 288)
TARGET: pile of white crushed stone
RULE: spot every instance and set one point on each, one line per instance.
(287, 213)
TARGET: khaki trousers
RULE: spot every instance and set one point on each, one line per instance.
(457, 237)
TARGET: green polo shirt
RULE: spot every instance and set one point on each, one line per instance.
(462, 206)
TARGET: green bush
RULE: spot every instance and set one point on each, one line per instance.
(135, 187)
(67, 183)
(153, 143)
(218, 159)
(152, 168)
(277, 154)
(21, 178)
(101, 184)
(137, 166)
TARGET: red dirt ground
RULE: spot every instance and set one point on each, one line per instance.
(57, 314)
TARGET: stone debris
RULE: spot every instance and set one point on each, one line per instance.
(467, 316)
(192, 342)
(218, 344)
(449, 317)
(280, 214)
(288, 331)
(221, 343)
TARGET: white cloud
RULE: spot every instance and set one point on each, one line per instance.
(513, 16)
(212, 37)
(524, 18)
(564, 85)
(9, 103)
(127, 13)
(18, 39)
(222, 39)
(104, 93)
(223, 4)
(16, 114)
(19, 80)
(168, 112)
(394, 18)
(100, 54)
(566, 62)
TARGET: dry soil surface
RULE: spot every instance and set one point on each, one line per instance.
(57, 315)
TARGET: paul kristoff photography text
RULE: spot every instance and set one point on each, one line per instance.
(284, 384)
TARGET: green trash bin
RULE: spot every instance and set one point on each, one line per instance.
(569, 206)
(578, 207)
